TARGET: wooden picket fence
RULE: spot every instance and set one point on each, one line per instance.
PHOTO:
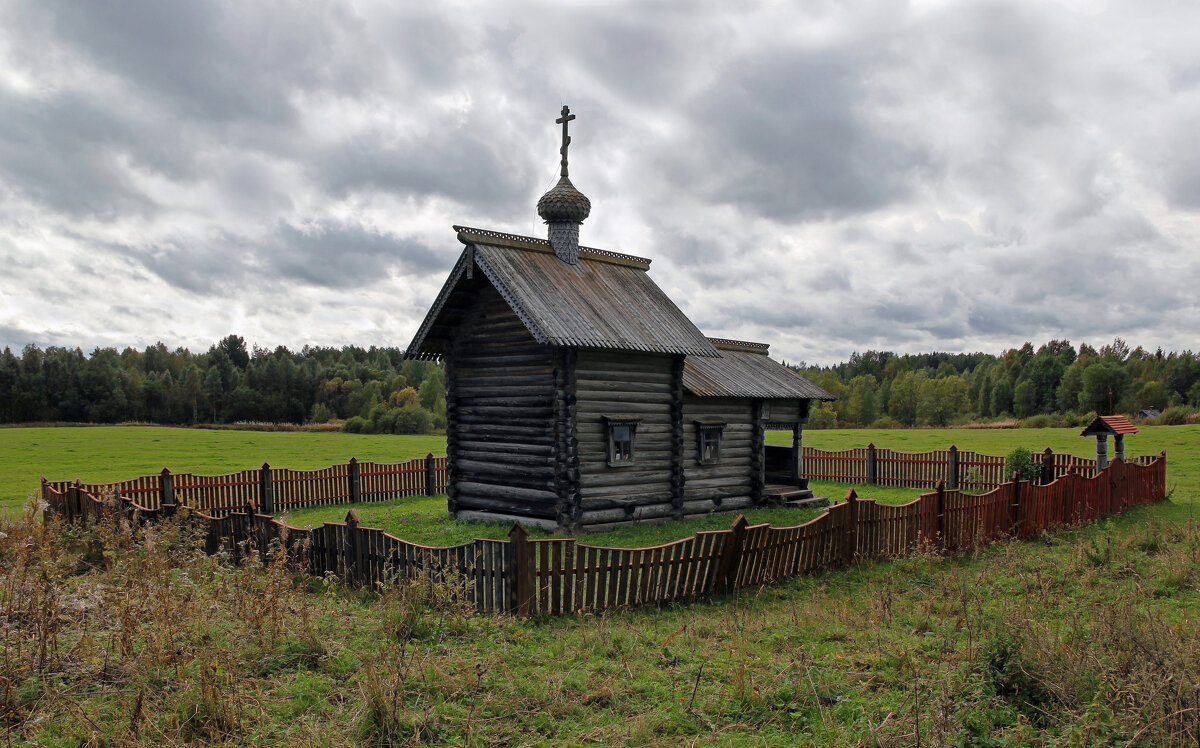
(272, 489)
(957, 468)
(561, 576)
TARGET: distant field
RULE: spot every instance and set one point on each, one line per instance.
(104, 453)
(1082, 637)
(1181, 442)
(107, 453)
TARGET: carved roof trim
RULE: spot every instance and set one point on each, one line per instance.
(468, 235)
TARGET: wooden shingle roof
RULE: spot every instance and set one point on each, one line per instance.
(607, 300)
(1109, 425)
(745, 370)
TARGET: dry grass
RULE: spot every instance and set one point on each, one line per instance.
(121, 635)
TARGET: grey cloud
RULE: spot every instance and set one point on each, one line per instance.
(789, 134)
(217, 61)
(869, 177)
(831, 279)
(345, 256)
(65, 154)
(460, 166)
(328, 255)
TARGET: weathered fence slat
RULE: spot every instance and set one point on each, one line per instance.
(561, 576)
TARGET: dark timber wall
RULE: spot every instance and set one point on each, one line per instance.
(785, 411)
(645, 386)
(500, 407)
(726, 485)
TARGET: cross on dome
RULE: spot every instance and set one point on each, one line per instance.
(566, 139)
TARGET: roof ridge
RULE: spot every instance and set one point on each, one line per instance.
(746, 346)
(468, 235)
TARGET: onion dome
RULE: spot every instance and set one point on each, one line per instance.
(563, 208)
(564, 203)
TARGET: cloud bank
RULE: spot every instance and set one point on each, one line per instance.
(826, 178)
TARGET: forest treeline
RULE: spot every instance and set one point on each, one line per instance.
(375, 390)
(1054, 384)
(370, 390)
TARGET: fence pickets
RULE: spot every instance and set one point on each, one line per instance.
(274, 490)
(958, 469)
(562, 576)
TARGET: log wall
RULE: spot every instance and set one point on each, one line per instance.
(609, 383)
(726, 485)
(501, 436)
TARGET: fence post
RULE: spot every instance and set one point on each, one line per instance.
(355, 482)
(940, 516)
(1115, 485)
(266, 495)
(1015, 513)
(167, 488)
(731, 554)
(872, 473)
(1047, 466)
(351, 548)
(47, 511)
(850, 548)
(77, 501)
(430, 475)
(952, 468)
(520, 571)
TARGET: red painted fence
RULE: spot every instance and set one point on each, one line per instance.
(958, 468)
(273, 490)
(559, 576)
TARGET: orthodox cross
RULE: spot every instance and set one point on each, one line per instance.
(566, 141)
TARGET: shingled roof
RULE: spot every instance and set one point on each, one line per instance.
(745, 370)
(1109, 425)
(607, 300)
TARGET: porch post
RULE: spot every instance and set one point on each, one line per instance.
(797, 439)
(798, 445)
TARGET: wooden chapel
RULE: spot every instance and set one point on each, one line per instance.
(579, 396)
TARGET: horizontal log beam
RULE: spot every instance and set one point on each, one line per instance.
(468, 502)
(505, 492)
(617, 385)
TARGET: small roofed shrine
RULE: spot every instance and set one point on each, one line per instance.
(579, 396)
(1102, 428)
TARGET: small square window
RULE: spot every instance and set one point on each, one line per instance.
(622, 443)
(621, 432)
(708, 441)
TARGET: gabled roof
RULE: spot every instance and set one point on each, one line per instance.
(745, 370)
(605, 301)
(1109, 425)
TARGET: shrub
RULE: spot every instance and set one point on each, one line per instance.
(321, 414)
(1040, 421)
(886, 422)
(411, 419)
(1176, 415)
(823, 417)
(357, 425)
(1021, 462)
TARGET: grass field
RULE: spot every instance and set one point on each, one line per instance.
(1086, 637)
(109, 453)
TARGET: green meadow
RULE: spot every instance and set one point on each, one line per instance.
(1087, 636)
(108, 453)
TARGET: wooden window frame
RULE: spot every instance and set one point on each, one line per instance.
(704, 430)
(611, 424)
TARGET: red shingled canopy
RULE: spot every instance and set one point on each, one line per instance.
(1109, 425)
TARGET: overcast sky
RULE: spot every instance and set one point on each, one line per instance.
(822, 176)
